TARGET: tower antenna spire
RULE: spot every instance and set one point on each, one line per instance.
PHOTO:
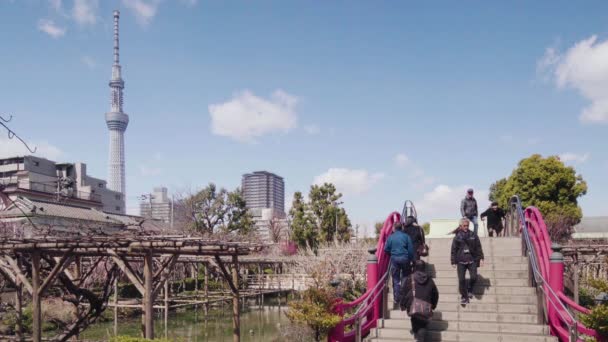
(116, 38)
(117, 121)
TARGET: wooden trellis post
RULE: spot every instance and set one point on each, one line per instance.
(148, 300)
(236, 320)
(36, 305)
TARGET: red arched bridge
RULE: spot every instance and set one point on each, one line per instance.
(542, 312)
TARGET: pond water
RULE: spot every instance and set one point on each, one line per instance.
(258, 324)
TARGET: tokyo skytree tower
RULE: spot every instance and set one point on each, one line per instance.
(117, 121)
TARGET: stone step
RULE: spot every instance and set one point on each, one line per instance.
(485, 299)
(483, 281)
(455, 316)
(475, 306)
(445, 265)
(487, 251)
(470, 326)
(484, 272)
(504, 244)
(481, 290)
(469, 336)
(493, 290)
(488, 259)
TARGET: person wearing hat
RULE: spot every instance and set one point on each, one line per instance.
(468, 209)
(495, 217)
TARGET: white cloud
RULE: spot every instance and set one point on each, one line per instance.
(584, 67)
(349, 181)
(246, 117)
(84, 12)
(416, 174)
(49, 27)
(574, 158)
(401, 160)
(144, 11)
(312, 129)
(89, 62)
(13, 148)
(443, 202)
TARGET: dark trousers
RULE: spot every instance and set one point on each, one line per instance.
(462, 281)
(400, 268)
(419, 329)
(497, 229)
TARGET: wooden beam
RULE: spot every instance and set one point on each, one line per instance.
(59, 266)
(236, 320)
(576, 280)
(89, 271)
(167, 263)
(36, 302)
(148, 300)
(128, 271)
(19, 310)
(164, 276)
(226, 275)
(8, 275)
(18, 274)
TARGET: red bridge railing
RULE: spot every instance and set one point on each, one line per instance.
(369, 307)
(547, 266)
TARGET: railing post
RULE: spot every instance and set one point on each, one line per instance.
(358, 329)
(556, 268)
(372, 280)
(556, 278)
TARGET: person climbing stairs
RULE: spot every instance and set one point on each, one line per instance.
(504, 306)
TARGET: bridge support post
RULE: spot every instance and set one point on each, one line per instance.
(556, 277)
(372, 280)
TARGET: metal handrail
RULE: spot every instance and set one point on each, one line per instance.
(381, 282)
(366, 305)
(540, 281)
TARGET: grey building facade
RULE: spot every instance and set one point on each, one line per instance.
(264, 190)
(45, 180)
(158, 206)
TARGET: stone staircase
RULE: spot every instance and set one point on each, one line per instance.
(504, 307)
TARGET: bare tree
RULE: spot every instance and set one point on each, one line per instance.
(276, 229)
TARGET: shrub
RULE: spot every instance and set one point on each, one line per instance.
(597, 319)
(128, 290)
(315, 310)
(585, 298)
(600, 284)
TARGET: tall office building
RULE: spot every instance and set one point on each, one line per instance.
(117, 122)
(264, 190)
(157, 205)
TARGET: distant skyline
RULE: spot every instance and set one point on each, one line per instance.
(388, 100)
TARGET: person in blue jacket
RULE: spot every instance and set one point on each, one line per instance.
(401, 249)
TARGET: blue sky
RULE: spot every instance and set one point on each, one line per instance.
(391, 100)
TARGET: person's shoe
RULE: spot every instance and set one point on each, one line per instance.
(470, 294)
(464, 300)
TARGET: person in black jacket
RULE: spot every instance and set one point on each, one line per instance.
(468, 208)
(495, 216)
(425, 290)
(416, 234)
(466, 254)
